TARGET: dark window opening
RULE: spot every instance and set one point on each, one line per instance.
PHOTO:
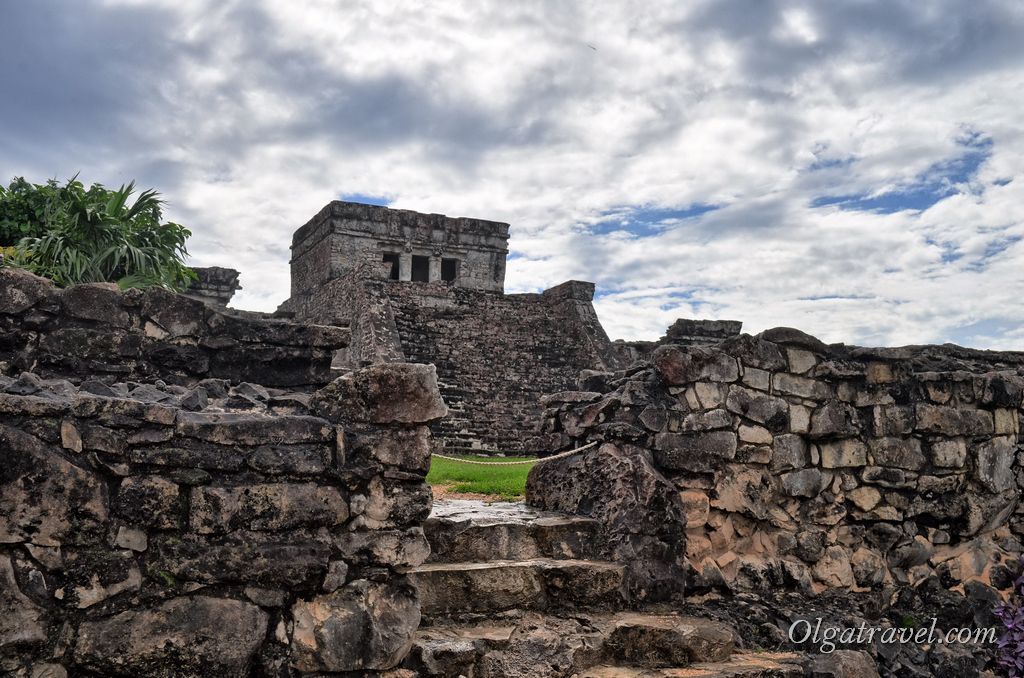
(449, 269)
(420, 269)
(393, 260)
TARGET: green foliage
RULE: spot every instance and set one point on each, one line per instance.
(73, 235)
(504, 482)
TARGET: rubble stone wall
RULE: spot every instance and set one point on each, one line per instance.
(139, 538)
(495, 354)
(100, 332)
(799, 465)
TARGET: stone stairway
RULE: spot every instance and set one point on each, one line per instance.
(510, 592)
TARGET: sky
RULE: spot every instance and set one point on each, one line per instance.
(851, 168)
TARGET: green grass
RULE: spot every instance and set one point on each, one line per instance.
(504, 482)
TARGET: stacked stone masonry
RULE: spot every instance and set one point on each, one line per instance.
(793, 464)
(496, 354)
(99, 332)
(169, 537)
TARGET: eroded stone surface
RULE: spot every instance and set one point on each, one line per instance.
(195, 636)
(361, 626)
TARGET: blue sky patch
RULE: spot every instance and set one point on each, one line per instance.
(365, 199)
(937, 182)
(644, 221)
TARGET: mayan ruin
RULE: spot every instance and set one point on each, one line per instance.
(192, 490)
(494, 339)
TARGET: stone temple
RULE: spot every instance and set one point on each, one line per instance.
(428, 288)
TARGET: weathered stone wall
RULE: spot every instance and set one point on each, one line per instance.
(495, 354)
(98, 331)
(796, 464)
(138, 538)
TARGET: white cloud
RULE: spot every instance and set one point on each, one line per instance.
(252, 116)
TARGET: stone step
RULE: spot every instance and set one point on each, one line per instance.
(472, 531)
(535, 584)
(740, 665)
(602, 642)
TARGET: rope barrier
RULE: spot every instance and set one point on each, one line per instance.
(560, 455)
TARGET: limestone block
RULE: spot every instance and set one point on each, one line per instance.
(149, 501)
(953, 421)
(295, 561)
(800, 361)
(706, 421)
(397, 548)
(880, 373)
(405, 448)
(994, 469)
(1006, 421)
(789, 451)
(803, 483)
(277, 507)
(679, 365)
(100, 302)
(231, 428)
(764, 409)
(864, 498)
(889, 477)
(694, 451)
(844, 664)
(34, 488)
(710, 394)
(902, 453)
(799, 418)
(755, 435)
(950, 453)
(850, 452)
(834, 419)
(21, 290)
(186, 637)
(834, 569)
(868, 567)
(390, 504)
(403, 393)
(757, 379)
(755, 352)
(383, 617)
(802, 387)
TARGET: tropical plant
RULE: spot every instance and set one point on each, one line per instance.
(73, 235)
(1011, 643)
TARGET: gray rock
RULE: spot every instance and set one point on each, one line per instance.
(382, 394)
(804, 483)
(679, 365)
(904, 453)
(764, 409)
(696, 452)
(197, 636)
(22, 621)
(995, 464)
(834, 419)
(383, 616)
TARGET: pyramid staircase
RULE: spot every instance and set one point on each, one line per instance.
(510, 592)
